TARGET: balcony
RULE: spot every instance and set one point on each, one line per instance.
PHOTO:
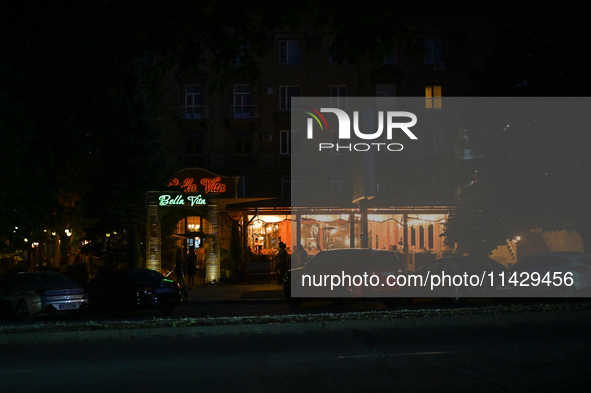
(243, 112)
(194, 112)
(194, 160)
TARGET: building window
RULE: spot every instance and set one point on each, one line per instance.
(432, 51)
(334, 139)
(242, 104)
(244, 187)
(333, 55)
(243, 142)
(338, 97)
(289, 52)
(195, 143)
(285, 142)
(433, 148)
(390, 58)
(193, 102)
(285, 95)
(386, 90)
(467, 150)
(337, 185)
(433, 97)
(285, 187)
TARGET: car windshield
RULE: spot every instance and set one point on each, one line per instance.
(52, 279)
(145, 277)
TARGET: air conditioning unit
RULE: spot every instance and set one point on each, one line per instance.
(267, 137)
(439, 66)
(266, 91)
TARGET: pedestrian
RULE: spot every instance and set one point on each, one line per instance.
(180, 271)
(281, 265)
(191, 267)
(301, 256)
(201, 257)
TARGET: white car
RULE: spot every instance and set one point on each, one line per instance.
(34, 293)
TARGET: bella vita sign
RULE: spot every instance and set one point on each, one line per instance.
(193, 200)
(344, 132)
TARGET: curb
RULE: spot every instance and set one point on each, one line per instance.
(298, 327)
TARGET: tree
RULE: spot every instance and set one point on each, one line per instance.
(76, 118)
(532, 171)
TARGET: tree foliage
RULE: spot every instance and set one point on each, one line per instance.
(532, 172)
(79, 134)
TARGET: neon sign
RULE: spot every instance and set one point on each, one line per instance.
(193, 200)
(188, 185)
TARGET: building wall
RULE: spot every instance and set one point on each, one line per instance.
(251, 147)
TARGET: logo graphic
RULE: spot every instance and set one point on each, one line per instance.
(344, 131)
(314, 116)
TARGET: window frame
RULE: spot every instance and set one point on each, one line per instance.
(285, 97)
(285, 50)
(432, 50)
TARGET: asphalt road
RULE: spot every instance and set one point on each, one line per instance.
(267, 307)
(510, 358)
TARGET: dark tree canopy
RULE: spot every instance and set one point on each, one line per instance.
(79, 136)
(531, 173)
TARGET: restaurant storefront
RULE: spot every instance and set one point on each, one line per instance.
(412, 229)
(194, 196)
(205, 205)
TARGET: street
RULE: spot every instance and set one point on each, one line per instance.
(509, 358)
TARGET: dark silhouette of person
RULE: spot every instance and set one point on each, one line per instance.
(191, 267)
(180, 271)
(201, 257)
(281, 263)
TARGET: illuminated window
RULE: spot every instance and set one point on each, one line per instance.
(433, 97)
(289, 52)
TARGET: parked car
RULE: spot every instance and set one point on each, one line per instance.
(464, 267)
(28, 294)
(299, 284)
(539, 275)
(129, 290)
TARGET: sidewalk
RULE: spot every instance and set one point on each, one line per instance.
(228, 292)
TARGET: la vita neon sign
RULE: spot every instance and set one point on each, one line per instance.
(211, 185)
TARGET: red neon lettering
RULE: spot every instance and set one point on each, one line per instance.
(188, 185)
(213, 185)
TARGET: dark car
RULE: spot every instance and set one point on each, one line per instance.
(472, 279)
(29, 294)
(565, 274)
(125, 291)
(367, 269)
